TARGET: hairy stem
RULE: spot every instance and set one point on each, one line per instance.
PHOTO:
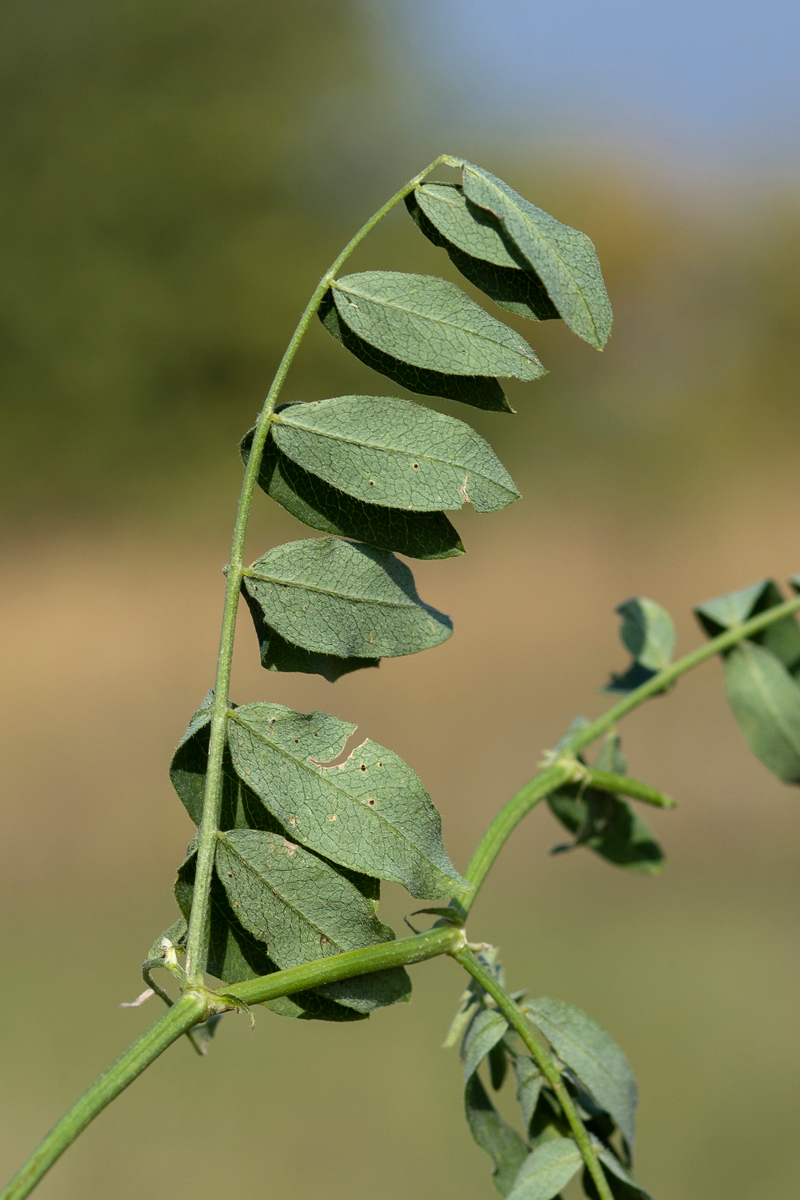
(197, 938)
(191, 1008)
(558, 772)
(516, 1018)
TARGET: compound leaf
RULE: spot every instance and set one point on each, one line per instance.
(487, 1029)
(395, 453)
(479, 248)
(371, 813)
(477, 390)
(318, 504)
(234, 955)
(563, 258)
(494, 1135)
(430, 323)
(343, 598)
(594, 1057)
(546, 1170)
(302, 909)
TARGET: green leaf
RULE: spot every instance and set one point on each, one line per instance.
(725, 612)
(529, 1086)
(393, 452)
(303, 909)
(594, 1057)
(430, 323)
(427, 535)
(623, 1185)
(480, 249)
(563, 258)
(477, 390)
(494, 1135)
(279, 655)
(487, 1029)
(546, 1170)
(343, 598)
(607, 824)
(371, 813)
(234, 955)
(241, 809)
(648, 633)
(765, 700)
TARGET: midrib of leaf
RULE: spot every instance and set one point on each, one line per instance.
(543, 237)
(308, 587)
(354, 441)
(440, 320)
(308, 766)
(765, 696)
(308, 920)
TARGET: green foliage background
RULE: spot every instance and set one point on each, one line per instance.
(176, 176)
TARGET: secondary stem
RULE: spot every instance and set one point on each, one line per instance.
(516, 1018)
(197, 938)
(559, 771)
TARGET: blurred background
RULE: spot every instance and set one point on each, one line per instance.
(176, 176)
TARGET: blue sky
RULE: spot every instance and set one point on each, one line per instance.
(702, 80)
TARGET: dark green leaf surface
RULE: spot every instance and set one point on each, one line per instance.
(279, 655)
(782, 638)
(546, 1170)
(563, 258)
(529, 1086)
(608, 825)
(477, 390)
(395, 453)
(430, 323)
(318, 504)
(240, 808)
(371, 813)
(302, 909)
(488, 1028)
(765, 700)
(343, 598)
(234, 955)
(594, 1057)
(480, 249)
(648, 633)
(494, 1135)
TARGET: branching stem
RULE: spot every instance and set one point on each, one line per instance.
(558, 772)
(516, 1018)
(197, 938)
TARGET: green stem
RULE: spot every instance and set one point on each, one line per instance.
(558, 772)
(623, 785)
(401, 953)
(516, 1018)
(197, 938)
(176, 1021)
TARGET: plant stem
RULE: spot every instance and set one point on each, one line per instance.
(559, 771)
(197, 938)
(403, 952)
(516, 1018)
(191, 1008)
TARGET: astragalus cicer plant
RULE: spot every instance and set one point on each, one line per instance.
(278, 894)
